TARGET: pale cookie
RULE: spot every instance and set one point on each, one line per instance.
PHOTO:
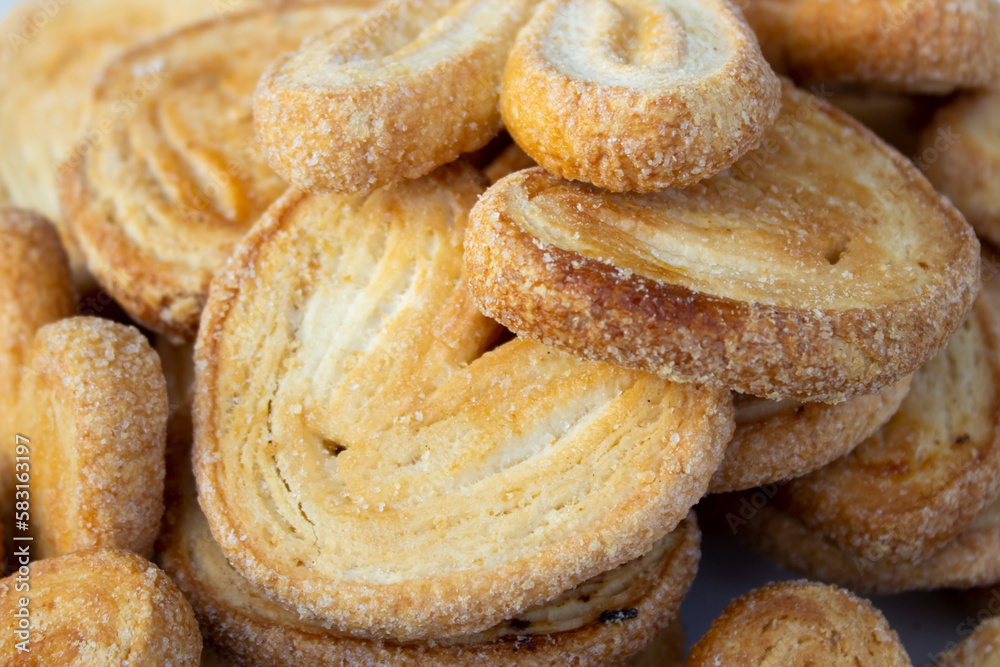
(919, 480)
(51, 54)
(635, 95)
(821, 266)
(93, 406)
(362, 458)
(799, 623)
(96, 607)
(922, 46)
(779, 440)
(158, 196)
(409, 88)
(961, 151)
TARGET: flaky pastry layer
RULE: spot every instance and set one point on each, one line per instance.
(249, 629)
(638, 96)
(361, 459)
(820, 266)
(779, 440)
(166, 182)
(50, 57)
(924, 476)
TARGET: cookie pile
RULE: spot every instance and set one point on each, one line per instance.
(460, 307)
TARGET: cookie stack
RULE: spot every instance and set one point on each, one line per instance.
(454, 394)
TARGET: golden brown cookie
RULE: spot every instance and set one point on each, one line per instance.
(980, 649)
(799, 623)
(779, 440)
(354, 443)
(93, 408)
(897, 118)
(96, 607)
(598, 623)
(821, 266)
(50, 57)
(961, 151)
(928, 46)
(35, 289)
(409, 88)
(935, 465)
(158, 196)
(970, 559)
(638, 96)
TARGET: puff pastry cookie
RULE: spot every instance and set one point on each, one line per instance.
(799, 623)
(925, 46)
(980, 649)
(961, 150)
(821, 266)
(361, 459)
(638, 96)
(972, 558)
(159, 201)
(934, 466)
(408, 89)
(46, 75)
(779, 440)
(95, 406)
(579, 628)
(98, 607)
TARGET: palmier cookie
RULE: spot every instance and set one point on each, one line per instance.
(922, 478)
(159, 201)
(821, 266)
(972, 558)
(96, 607)
(511, 159)
(961, 152)
(600, 622)
(409, 88)
(93, 410)
(980, 649)
(799, 623)
(779, 440)
(35, 289)
(50, 57)
(921, 46)
(638, 96)
(354, 444)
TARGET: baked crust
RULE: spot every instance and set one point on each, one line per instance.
(980, 649)
(100, 607)
(638, 96)
(50, 57)
(511, 160)
(920, 46)
(820, 267)
(799, 623)
(351, 457)
(931, 469)
(961, 148)
(94, 409)
(158, 201)
(36, 288)
(248, 629)
(407, 89)
(971, 559)
(777, 441)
